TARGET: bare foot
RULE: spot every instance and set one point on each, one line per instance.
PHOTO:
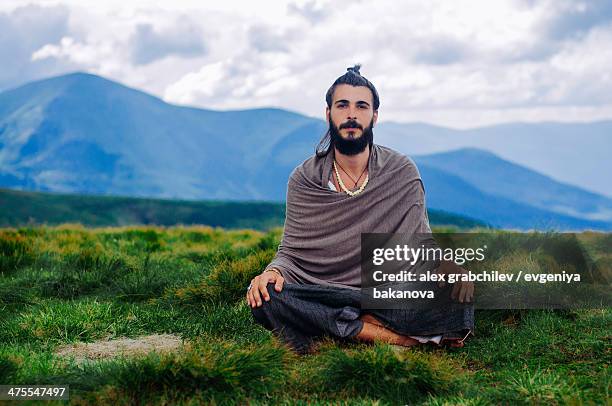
(368, 318)
(374, 330)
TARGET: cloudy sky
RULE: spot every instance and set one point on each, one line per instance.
(455, 63)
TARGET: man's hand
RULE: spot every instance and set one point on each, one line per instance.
(462, 291)
(259, 287)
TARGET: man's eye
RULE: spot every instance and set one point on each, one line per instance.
(341, 106)
(362, 106)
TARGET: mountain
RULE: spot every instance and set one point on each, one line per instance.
(574, 153)
(448, 192)
(81, 133)
(495, 176)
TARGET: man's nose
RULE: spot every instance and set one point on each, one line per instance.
(352, 113)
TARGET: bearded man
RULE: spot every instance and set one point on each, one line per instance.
(350, 186)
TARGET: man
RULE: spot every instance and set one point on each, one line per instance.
(351, 186)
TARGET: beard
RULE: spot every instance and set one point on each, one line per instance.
(351, 146)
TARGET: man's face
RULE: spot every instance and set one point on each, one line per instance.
(351, 118)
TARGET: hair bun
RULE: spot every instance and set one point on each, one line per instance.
(355, 69)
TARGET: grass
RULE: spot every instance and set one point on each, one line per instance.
(379, 373)
(60, 285)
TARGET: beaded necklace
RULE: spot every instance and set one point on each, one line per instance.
(343, 187)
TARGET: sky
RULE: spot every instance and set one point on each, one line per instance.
(460, 64)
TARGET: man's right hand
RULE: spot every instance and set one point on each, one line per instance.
(259, 287)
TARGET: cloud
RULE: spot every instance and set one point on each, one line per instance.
(183, 38)
(585, 67)
(310, 11)
(96, 56)
(438, 50)
(264, 39)
(577, 18)
(81, 53)
(436, 61)
(235, 82)
(431, 59)
(556, 25)
(23, 31)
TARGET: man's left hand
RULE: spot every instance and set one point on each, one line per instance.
(462, 291)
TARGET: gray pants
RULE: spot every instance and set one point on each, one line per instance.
(299, 314)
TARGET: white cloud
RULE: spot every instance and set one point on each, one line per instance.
(98, 57)
(457, 63)
(24, 29)
(235, 83)
(182, 38)
(310, 10)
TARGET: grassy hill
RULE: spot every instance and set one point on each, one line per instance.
(18, 208)
(68, 284)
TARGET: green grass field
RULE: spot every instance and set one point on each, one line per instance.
(68, 284)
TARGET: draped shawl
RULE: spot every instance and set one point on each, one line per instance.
(321, 241)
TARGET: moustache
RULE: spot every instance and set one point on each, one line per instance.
(350, 124)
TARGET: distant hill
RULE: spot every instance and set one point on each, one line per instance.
(498, 177)
(83, 134)
(19, 208)
(451, 193)
(574, 153)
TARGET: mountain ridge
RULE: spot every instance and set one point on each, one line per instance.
(85, 134)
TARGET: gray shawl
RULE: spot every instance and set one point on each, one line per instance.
(321, 242)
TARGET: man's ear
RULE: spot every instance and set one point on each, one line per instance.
(375, 117)
(327, 114)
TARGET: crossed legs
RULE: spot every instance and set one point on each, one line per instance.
(301, 313)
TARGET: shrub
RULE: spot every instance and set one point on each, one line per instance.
(81, 273)
(381, 373)
(212, 372)
(72, 321)
(220, 371)
(541, 387)
(228, 280)
(151, 278)
(15, 251)
(269, 242)
(8, 369)
(14, 295)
